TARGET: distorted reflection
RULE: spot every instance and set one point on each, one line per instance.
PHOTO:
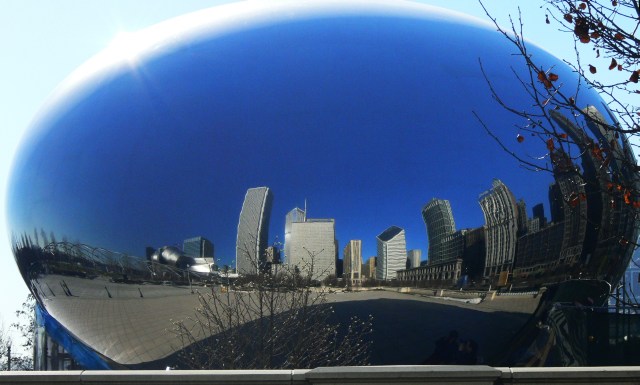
(177, 189)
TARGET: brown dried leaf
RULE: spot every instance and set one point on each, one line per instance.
(550, 144)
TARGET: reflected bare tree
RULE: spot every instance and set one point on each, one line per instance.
(558, 118)
(277, 318)
(572, 133)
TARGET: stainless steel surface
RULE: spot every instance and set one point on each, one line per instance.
(363, 111)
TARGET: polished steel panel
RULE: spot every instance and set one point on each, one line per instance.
(361, 114)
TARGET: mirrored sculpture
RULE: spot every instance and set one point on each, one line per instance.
(351, 151)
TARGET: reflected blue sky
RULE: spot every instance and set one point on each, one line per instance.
(365, 118)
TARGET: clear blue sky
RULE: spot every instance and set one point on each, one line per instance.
(44, 41)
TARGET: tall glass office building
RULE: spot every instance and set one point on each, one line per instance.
(253, 229)
(438, 219)
(198, 247)
(501, 217)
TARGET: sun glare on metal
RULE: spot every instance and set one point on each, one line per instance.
(127, 46)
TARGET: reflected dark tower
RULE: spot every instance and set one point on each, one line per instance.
(413, 258)
(441, 228)
(253, 230)
(621, 225)
(573, 201)
(522, 217)
(609, 219)
(538, 213)
(198, 247)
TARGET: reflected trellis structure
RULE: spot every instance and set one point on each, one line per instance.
(230, 119)
(89, 262)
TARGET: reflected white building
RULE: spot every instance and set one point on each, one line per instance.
(295, 215)
(253, 230)
(392, 253)
(313, 248)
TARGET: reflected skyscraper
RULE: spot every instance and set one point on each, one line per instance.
(413, 258)
(522, 216)
(610, 218)
(295, 215)
(312, 247)
(253, 230)
(445, 243)
(573, 200)
(501, 226)
(352, 268)
(198, 247)
(392, 253)
(369, 268)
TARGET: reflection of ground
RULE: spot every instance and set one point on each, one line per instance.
(406, 327)
(126, 328)
(115, 320)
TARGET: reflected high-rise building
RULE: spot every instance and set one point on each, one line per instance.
(392, 253)
(198, 247)
(619, 227)
(352, 263)
(538, 212)
(573, 200)
(438, 219)
(253, 230)
(312, 247)
(522, 216)
(445, 243)
(369, 268)
(295, 215)
(413, 258)
(610, 219)
(501, 228)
